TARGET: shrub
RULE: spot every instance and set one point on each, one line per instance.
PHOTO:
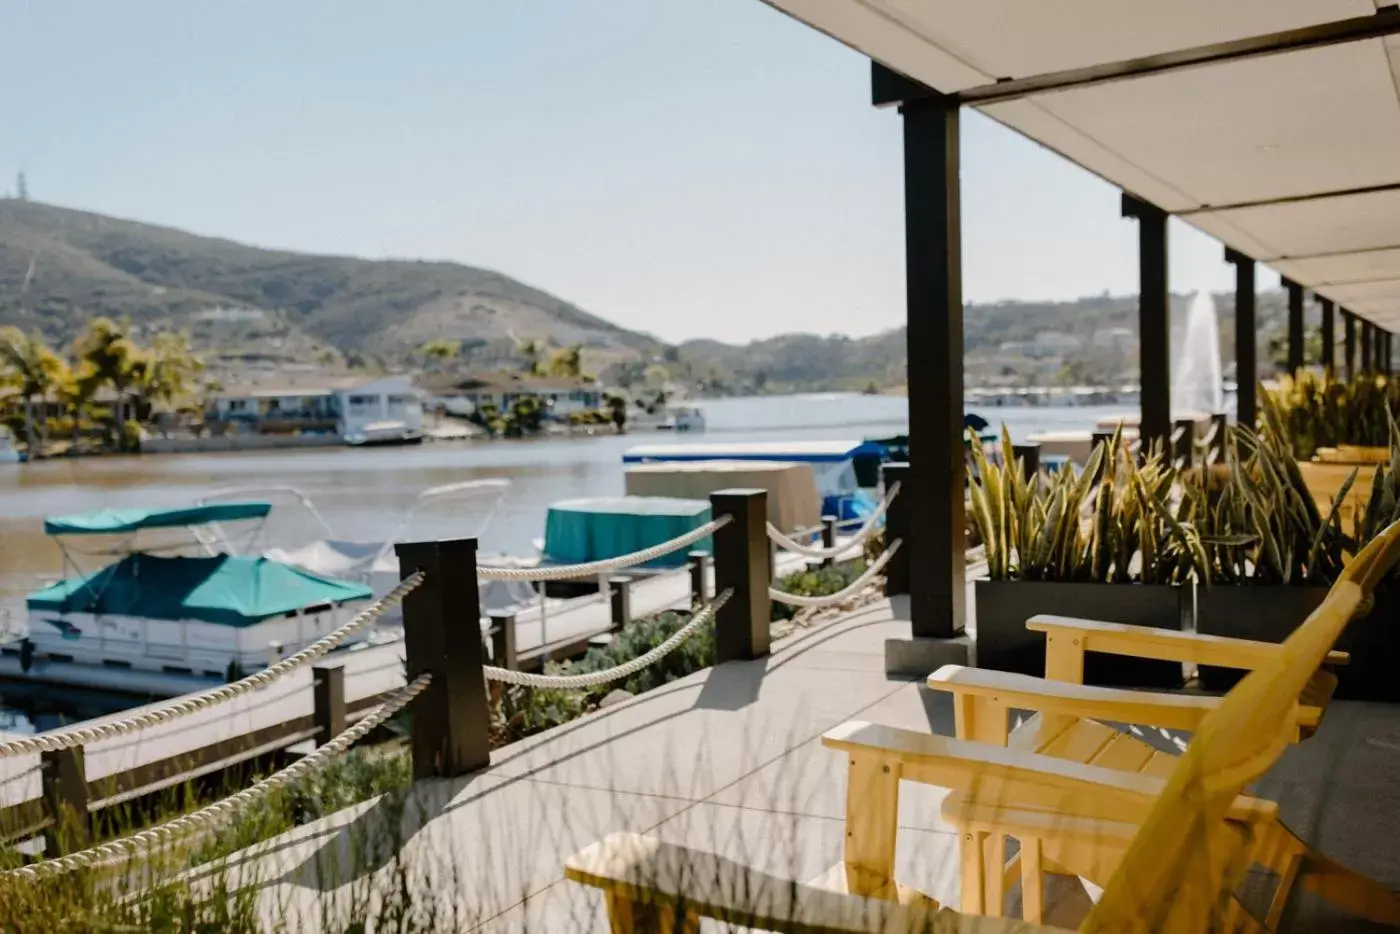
(815, 582)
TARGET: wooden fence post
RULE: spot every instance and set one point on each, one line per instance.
(699, 564)
(442, 635)
(1029, 456)
(897, 526)
(1184, 446)
(63, 779)
(620, 591)
(1217, 442)
(829, 539)
(503, 651)
(742, 565)
(328, 694)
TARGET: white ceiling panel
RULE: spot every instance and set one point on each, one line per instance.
(873, 32)
(1278, 126)
(1348, 224)
(1018, 39)
(1346, 267)
(1364, 294)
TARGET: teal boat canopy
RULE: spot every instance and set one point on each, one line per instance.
(117, 521)
(580, 530)
(229, 590)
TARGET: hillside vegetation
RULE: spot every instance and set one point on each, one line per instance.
(60, 267)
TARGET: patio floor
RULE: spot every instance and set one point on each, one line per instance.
(729, 760)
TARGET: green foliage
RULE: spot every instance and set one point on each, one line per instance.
(1313, 411)
(1113, 522)
(814, 582)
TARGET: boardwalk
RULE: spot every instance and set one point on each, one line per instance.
(728, 759)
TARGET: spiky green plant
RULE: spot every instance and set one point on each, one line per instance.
(1314, 411)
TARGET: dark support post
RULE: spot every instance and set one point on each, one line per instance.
(620, 590)
(1246, 359)
(328, 701)
(451, 722)
(1295, 326)
(1029, 456)
(699, 563)
(1385, 351)
(1183, 448)
(829, 538)
(503, 651)
(1349, 337)
(1329, 335)
(935, 538)
(1367, 364)
(897, 526)
(1154, 322)
(63, 780)
(741, 565)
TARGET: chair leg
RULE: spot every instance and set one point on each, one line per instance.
(973, 858)
(1032, 881)
(872, 823)
(994, 876)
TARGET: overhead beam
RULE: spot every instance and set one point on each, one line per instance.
(1383, 23)
(934, 309)
(1295, 326)
(1332, 254)
(1246, 354)
(1154, 321)
(1290, 199)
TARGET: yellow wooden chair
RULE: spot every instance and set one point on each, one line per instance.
(1171, 850)
(1071, 722)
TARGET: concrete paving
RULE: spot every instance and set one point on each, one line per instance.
(729, 760)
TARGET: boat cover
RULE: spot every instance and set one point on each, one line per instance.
(580, 530)
(793, 502)
(117, 521)
(228, 590)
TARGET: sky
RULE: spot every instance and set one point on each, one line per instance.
(691, 168)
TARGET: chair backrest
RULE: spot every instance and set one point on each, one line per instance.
(1182, 864)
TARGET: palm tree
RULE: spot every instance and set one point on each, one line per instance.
(31, 366)
(167, 373)
(530, 349)
(567, 362)
(107, 357)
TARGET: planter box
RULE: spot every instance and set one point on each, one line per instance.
(1271, 613)
(1264, 612)
(1324, 481)
(1004, 643)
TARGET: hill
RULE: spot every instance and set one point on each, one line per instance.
(60, 267)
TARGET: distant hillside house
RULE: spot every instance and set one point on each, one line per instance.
(344, 405)
(463, 394)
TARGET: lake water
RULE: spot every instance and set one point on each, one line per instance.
(363, 492)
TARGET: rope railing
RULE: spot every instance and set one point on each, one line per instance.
(776, 535)
(593, 568)
(226, 808)
(192, 703)
(855, 587)
(596, 678)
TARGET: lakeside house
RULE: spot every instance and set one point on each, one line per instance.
(12, 404)
(463, 394)
(342, 405)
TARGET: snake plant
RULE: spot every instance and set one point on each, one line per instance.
(1316, 411)
(1118, 520)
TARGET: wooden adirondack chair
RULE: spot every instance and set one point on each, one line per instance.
(1171, 850)
(1072, 723)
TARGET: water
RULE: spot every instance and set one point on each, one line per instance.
(363, 492)
(1197, 384)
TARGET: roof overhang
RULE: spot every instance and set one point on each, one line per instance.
(1272, 125)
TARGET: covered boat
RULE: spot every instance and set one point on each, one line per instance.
(833, 465)
(597, 528)
(157, 621)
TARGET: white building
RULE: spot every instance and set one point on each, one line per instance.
(360, 409)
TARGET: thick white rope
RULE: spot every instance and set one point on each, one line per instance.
(776, 535)
(221, 811)
(595, 678)
(192, 703)
(593, 568)
(855, 587)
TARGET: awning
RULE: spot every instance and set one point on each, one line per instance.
(118, 521)
(1273, 125)
(808, 452)
(224, 589)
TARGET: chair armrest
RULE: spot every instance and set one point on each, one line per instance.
(1014, 777)
(669, 878)
(1170, 645)
(1026, 692)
